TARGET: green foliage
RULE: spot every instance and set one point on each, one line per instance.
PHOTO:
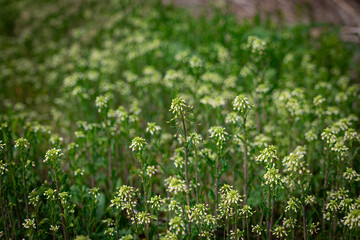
(133, 119)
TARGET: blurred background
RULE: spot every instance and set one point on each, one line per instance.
(345, 13)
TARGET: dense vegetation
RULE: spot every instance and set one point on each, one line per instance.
(131, 119)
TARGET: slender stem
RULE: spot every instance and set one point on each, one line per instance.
(25, 191)
(196, 176)
(304, 214)
(325, 183)
(63, 221)
(2, 212)
(110, 167)
(186, 170)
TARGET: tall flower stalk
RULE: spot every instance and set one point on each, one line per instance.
(179, 109)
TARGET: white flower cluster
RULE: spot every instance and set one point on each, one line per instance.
(351, 135)
(352, 219)
(177, 225)
(64, 197)
(124, 198)
(218, 134)
(33, 198)
(175, 185)
(156, 202)
(3, 167)
(50, 194)
(94, 192)
(52, 156)
(340, 149)
(229, 197)
(351, 175)
(241, 104)
(101, 103)
(256, 45)
(313, 228)
(29, 223)
(196, 139)
(142, 218)
(152, 128)
(54, 228)
(199, 215)
(232, 118)
(178, 106)
(236, 234)
(272, 178)
(328, 135)
(293, 205)
(151, 170)
(268, 156)
(280, 232)
(138, 144)
(21, 143)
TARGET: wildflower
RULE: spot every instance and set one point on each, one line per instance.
(33, 198)
(241, 104)
(174, 205)
(152, 128)
(218, 134)
(340, 148)
(246, 211)
(196, 139)
(257, 229)
(64, 196)
(237, 235)
(3, 167)
(175, 185)
(280, 232)
(2, 145)
(232, 118)
(110, 231)
(272, 178)
(54, 228)
(289, 223)
(177, 225)
(50, 194)
(79, 172)
(52, 156)
(169, 236)
(352, 219)
(310, 136)
(267, 156)
(178, 106)
(94, 192)
(328, 136)
(156, 202)
(178, 159)
(195, 62)
(138, 144)
(21, 144)
(198, 213)
(124, 198)
(29, 223)
(127, 237)
(351, 135)
(293, 205)
(101, 103)
(351, 175)
(310, 200)
(256, 45)
(142, 218)
(313, 228)
(150, 171)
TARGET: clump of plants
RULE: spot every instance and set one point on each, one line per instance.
(133, 120)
